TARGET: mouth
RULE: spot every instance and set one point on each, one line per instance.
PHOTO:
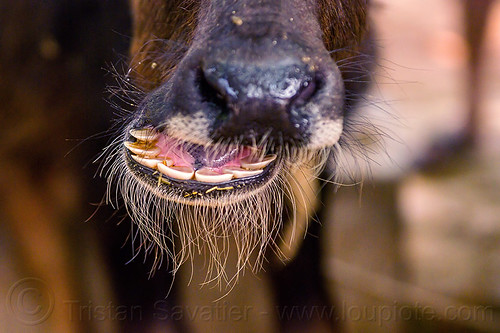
(188, 171)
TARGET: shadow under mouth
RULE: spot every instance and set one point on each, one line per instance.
(190, 171)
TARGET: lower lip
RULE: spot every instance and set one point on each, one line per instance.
(189, 188)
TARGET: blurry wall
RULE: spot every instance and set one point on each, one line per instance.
(417, 247)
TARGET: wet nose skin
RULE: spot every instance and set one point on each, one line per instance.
(264, 77)
(260, 99)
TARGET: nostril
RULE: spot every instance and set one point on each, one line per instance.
(308, 90)
(211, 94)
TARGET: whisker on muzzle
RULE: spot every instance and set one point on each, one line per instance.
(176, 232)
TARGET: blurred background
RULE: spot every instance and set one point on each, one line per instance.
(416, 248)
(421, 239)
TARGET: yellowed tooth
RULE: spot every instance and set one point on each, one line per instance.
(167, 161)
(242, 173)
(142, 150)
(206, 175)
(145, 134)
(152, 162)
(259, 164)
(177, 172)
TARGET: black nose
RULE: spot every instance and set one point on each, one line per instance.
(260, 99)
